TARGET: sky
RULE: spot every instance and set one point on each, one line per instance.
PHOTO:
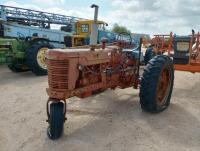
(139, 16)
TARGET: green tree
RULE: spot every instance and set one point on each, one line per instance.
(120, 29)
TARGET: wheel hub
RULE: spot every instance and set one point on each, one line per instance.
(41, 57)
(163, 86)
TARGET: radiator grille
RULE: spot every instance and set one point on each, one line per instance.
(58, 71)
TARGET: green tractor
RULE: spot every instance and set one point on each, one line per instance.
(21, 55)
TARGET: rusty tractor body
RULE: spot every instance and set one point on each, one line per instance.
(84, 72)
(89, 71)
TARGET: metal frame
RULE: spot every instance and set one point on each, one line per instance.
(159, 42)
(160, 47)
(31, 17)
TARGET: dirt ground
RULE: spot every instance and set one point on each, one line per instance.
(111, 121)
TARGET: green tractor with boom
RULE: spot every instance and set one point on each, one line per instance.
(26, 35)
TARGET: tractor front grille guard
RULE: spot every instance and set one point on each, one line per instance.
(57, 74)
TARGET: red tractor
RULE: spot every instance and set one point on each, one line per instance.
(83, 72)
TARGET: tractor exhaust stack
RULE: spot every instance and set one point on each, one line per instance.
(94, 29)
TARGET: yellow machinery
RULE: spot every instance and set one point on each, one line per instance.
(84, 29)
(89, 32)
(83, 32)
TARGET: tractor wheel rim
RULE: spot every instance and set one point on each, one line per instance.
(41, 57)
(163, 87)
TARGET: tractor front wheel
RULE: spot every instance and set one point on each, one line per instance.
(157, 84)
(56, 120)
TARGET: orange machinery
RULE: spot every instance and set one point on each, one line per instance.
(83, 72)
(185, 50)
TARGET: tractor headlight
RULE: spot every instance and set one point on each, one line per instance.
(80, 67)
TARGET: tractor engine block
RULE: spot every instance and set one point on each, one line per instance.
(81, 72)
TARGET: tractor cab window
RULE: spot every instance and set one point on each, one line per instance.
(183, 46)
(101, 26)
(84, 28)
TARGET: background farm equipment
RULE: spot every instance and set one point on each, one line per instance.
(12, 52)
(183, 49)
(88, 31)
(187, 53)
(83, 72)
(25, 36)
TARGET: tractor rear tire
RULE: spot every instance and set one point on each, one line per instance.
(32, 58)
(157, 84)
(56, 120)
